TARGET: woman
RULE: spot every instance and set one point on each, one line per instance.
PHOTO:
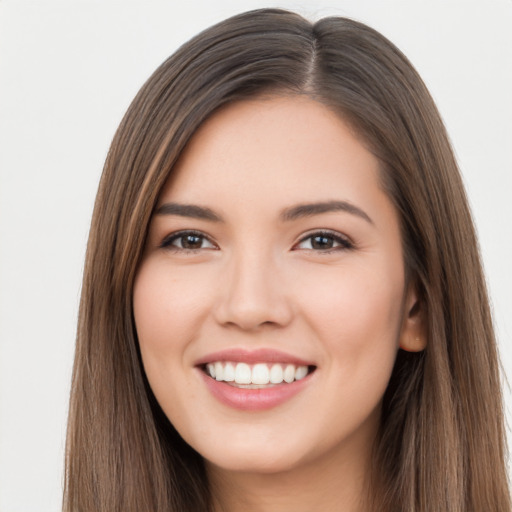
(283, 304)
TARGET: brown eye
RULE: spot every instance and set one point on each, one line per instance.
(324, 241)
(187, 241)
(191, 241)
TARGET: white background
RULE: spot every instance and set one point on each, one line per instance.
(68, 71)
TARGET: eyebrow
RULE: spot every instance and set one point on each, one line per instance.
(311, 209)
(289, 214)
(188, 210)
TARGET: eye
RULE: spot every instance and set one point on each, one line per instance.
(325, 241)
(187, 241)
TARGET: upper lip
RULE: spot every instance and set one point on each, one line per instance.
(262, 355)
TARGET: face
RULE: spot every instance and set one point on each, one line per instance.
(270, 302)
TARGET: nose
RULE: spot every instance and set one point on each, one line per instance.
(253, 294)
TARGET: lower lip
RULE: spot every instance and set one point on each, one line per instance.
(253, 399)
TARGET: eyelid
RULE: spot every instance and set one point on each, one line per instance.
(167, 242)
(345, 243)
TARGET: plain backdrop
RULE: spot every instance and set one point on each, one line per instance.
(68, 71)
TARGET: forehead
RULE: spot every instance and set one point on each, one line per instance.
(292, 142)
(275, 152)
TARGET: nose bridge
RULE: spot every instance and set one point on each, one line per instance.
(253, 293)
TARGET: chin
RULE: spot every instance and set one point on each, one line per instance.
(252, 462)
(253, 452)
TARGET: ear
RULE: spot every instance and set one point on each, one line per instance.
(413, 334)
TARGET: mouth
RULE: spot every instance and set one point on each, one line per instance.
(256, 376)
(255, 380)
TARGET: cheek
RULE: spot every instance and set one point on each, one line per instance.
(159, 333)
(164, 319)
(166, 308)
(360, 291)
(356, 313)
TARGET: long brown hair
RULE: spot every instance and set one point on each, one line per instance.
(441, 444)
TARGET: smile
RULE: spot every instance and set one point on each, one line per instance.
(253, 376)
(255, 380)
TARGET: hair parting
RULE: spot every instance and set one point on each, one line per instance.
(441, 445)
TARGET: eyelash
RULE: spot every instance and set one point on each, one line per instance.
(343, 242)
(167, 242)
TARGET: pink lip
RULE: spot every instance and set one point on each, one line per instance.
(262, 355)
(253, 399)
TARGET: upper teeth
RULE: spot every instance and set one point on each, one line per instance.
(261, 373)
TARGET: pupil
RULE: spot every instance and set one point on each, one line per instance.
(321, 242)
(191, 242)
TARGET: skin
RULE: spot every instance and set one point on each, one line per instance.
(256, 281)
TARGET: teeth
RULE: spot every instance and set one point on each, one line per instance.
(301, 372)
(219, 371)
(229, 372)
(258, 374)
(276, 374)
(289, 373)
(242, 373)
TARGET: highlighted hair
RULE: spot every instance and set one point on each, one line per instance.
(441, 445)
